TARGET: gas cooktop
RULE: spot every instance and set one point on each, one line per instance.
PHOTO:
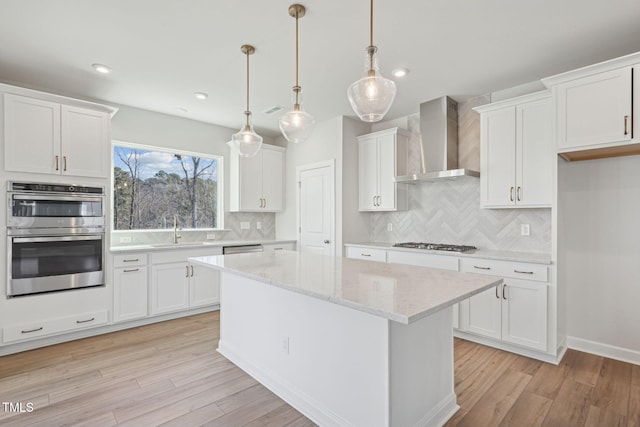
(436, 247)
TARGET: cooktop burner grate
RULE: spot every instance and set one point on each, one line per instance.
(436, 246)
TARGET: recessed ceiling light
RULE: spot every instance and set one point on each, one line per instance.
(101, 68)
(200, 95)
(400, 72)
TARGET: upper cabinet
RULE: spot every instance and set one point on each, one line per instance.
(382, 156)
(257, 183)
(42, 136)
(517, 152)
(595, 108)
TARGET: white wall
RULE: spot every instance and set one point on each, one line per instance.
(599, 246)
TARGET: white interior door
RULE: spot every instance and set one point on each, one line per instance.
(316, 213)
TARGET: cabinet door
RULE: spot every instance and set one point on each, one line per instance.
(31, 135)
(367, 174)
(169, 287)
(484, 313)
(534, 154)
(272, 180)
(130, 293)
(204, 288)
(85, 142)
(386, 172)
(593, 110)
(524, 313)
(251, 182)
(498, 158)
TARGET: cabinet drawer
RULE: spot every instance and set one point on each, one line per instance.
(54, 326)
(128, 260)
(505, 269)
(279, 247)
(181, 255)
(367, 253)
(423, 260)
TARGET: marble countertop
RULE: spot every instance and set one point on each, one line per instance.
(191, 245)
(402, 293)
(537, 258)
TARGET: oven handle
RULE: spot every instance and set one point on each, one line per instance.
(55, 239)
(57, 198)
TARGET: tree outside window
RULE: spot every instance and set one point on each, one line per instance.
(151, 187)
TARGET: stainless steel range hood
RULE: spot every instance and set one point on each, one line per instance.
(439, 143)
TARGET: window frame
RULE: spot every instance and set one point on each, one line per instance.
(220, 183)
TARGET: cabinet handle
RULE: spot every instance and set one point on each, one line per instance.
(523, 272)
(626, 121)
(265, 203)
(191, 266)
(374, 200)
(497, 296)
(131, 270)
(277, 249)
(518, 197)
(64, 162)
(504, 288)
(379, 200)
(511, 194)
(57, 161)
(85, 321)
(187, 268)
(482, 268)
(365, 254)
(131, 260)
(32, 330)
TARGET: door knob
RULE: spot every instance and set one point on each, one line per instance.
(327, 242)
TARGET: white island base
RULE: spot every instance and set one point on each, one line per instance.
(337, 365)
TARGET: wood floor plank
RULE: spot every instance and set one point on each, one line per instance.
(571, 406)
(281, 416)
(549, 378)
(529, 410)
(598, 417)
(612, 389)
(492, 407)
(633, 416)
(635, 375)
(585, 368)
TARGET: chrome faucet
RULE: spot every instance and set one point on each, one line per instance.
(176, 236)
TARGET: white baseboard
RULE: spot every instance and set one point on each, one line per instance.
(605, 350)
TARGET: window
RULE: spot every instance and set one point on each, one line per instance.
(152, 186)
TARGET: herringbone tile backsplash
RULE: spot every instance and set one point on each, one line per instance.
(449, 212)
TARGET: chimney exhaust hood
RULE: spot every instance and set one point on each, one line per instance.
(439, 143)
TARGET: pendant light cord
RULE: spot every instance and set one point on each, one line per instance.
(247, 112)
(296, 88)
(371, 25)
(371, 49)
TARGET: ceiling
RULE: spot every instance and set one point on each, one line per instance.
(162, 51)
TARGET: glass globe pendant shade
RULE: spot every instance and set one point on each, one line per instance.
(247, 141)
(296, 125)
(371, 96)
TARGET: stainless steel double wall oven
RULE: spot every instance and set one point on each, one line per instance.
(55, 237)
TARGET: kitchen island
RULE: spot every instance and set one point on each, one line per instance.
(346, 342)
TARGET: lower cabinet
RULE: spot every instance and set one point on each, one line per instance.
(130, 287)
(177, 284)
(515, 311)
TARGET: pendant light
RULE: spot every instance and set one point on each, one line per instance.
(371, 96)
(296, 125)
(247, 141)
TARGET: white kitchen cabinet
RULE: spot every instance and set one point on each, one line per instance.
(382, 156)
(47, 137)
(177, 284)
(287, 246)
(131, 287)
(513, 312)
(517, 152)
(366, 253)
(593, 110)
(257, 183)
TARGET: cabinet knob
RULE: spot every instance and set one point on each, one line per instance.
(326, 242)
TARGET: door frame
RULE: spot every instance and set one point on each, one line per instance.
(331, 164)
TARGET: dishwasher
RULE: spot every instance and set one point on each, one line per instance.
(240, 249)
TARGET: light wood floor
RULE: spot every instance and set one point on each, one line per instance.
(170, 374)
